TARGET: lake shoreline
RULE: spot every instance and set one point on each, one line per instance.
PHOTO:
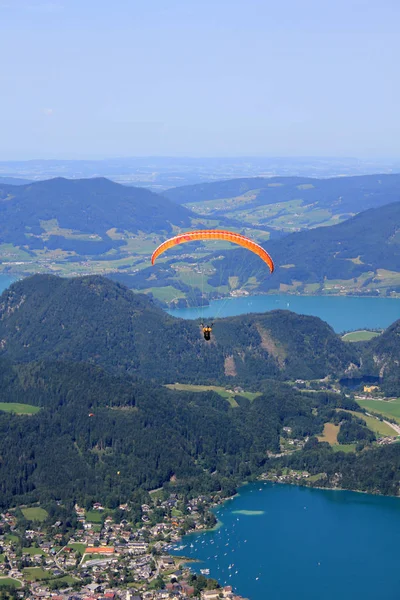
(281, 508)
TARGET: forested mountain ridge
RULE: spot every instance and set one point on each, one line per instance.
(382, 358)
(92, 319)
(90, 206)
(362, 253)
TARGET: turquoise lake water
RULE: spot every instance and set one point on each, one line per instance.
(305, 544)
(342, 313)
(5, 282)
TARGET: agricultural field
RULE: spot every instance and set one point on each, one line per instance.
(164, 294)
(330, 434)
(35, 513)
(19, 409)
(378, 427)
(386, 408)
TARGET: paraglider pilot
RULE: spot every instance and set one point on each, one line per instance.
(207, 329)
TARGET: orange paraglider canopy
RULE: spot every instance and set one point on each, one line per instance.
(215, 234)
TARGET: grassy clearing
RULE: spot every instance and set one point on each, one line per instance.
(330, 434)
(35, 513)
(344, 448)
(78, 547)
(8, 581)
(386, 408)
(32, 551)
(11, 537)
(381, 429)
(359, 336)
(94, 516)
(36, 573)
(164, 294)
(19, 409)
(229, 395)
(68, 579)
(2, 558)
(316, 477)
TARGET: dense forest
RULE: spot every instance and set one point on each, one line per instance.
(373, 470)
(99, 436)
(381, 357)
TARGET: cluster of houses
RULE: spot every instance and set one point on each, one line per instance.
(107, 560)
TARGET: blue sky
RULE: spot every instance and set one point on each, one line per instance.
(87, 78)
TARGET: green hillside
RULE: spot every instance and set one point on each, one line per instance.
(289, 203)
(361, 255)
(91, 206)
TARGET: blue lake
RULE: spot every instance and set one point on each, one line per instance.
(304, 544)
(342, 313)
(5, 282)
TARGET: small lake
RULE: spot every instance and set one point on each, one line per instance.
(343, 313)
(5, 282)
(279, 542)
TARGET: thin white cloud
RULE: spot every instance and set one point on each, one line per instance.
(49, 112)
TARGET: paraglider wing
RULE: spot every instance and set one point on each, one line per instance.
(215, 234)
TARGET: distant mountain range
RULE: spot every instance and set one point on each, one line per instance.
(14, 181)
(362, 253)
(289, 202)
(343, 194)
(89, 206)
(59, 223)
(158, 172)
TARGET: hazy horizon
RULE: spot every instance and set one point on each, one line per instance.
(230, 79)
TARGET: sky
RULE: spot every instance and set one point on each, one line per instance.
(97, 79)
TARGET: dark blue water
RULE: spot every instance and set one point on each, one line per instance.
(355, 382)
(343, 313)
(305, 544)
